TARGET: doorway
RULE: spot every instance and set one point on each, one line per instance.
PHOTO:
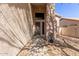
(40, 22)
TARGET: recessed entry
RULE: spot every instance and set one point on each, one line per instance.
(39, 15)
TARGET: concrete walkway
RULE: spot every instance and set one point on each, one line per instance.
(72, 45)
(62, 46)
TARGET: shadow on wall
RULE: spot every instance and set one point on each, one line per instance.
(28, 15)
(18, 20)
(6, 41)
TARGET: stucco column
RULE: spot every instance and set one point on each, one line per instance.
(50, 20)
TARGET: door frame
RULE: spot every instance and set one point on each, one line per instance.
(41, 20)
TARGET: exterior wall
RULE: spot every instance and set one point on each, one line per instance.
(50, 19)
(38, 8)
(15, 27)
(68, 22)
(58, 23)
(69, 27)
(72, 31)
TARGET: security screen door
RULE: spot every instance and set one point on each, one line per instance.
(40, 24)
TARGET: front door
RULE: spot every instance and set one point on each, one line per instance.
(40, 23)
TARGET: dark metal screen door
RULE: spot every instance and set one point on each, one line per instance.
(40, 25)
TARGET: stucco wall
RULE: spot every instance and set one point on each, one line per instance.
(72, 31)
(68, 22)
(50, 19)
(15, 27)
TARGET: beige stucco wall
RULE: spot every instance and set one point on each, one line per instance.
(58, 23)
(49, 20)
(68, 22)
(72, 31)
(15, 27)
